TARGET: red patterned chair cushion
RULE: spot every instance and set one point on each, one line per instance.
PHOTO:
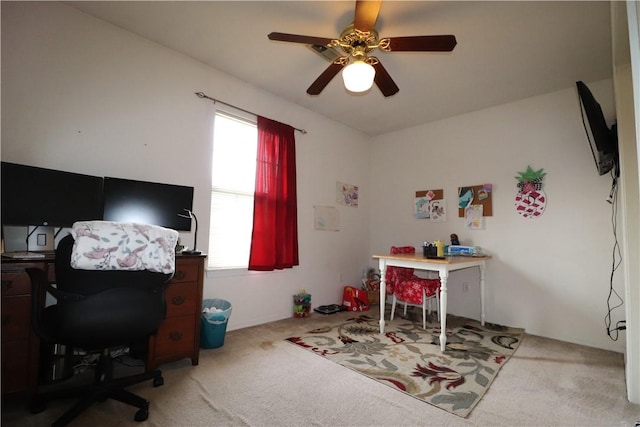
(396, 275)
(411, 290)
(405, 284)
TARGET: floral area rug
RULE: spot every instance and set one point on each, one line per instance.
(408, 358)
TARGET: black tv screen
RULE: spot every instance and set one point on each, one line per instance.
(603, 141)
(38, 196)
(144, 202)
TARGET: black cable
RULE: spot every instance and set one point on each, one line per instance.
(26, 240)
(615, 263)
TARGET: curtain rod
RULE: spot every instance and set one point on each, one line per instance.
(202, 95)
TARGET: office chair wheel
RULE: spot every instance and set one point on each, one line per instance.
(37, 405)
(158, 381)
(142, 414)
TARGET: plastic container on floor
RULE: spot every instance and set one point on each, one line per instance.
(213, 322)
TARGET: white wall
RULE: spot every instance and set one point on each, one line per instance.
(84, 96)
(549, 275)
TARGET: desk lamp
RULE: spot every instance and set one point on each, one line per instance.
(195, 233)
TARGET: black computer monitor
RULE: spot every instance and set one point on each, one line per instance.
(39, 196)
(154, 203)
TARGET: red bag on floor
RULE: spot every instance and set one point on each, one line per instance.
(354, 299)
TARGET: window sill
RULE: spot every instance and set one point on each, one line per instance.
(238, 272)
(230, 272)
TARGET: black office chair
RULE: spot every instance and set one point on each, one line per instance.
(95, 311)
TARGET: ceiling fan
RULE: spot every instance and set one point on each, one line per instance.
(357, 41)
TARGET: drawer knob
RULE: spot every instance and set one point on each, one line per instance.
(175, 336)
(178, 300)
(179, 274)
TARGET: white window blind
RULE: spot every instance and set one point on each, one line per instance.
(233, 172)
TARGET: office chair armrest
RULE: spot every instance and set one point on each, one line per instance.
(39, 281)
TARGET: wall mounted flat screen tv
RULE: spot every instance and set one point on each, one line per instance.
(603, 141)
(127, 200)
(38, 196)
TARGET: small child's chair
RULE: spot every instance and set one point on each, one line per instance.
(405, 286)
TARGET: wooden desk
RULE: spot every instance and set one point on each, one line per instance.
(178, 336)
(443, 267)
(20, 344)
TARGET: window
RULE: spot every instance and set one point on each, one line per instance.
(235, 140)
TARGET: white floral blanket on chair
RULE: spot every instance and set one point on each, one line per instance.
(107, 245)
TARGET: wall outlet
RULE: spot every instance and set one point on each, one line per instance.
(465, 287)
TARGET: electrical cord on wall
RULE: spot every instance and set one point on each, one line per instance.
(615, 263)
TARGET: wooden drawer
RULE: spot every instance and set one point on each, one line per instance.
(20, 345)
(15, 366)
(175, 337)
(185, 272)
(179, 334)
(16, 321)
(182, 298)
(15, 280)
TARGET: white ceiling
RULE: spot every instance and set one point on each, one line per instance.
(507, 50)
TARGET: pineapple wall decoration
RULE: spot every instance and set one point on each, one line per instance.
(530, 199)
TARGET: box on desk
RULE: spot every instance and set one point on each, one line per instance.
(463, 250)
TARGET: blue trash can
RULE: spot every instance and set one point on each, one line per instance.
(213, 322)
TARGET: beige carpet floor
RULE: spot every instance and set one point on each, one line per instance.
(258, 379)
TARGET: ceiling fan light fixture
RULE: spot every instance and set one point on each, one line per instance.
(358, 76)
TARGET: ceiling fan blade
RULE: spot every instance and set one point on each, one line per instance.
(366, 14)
(444, 43)
(327, 75)
(384, 81)
(296, 38)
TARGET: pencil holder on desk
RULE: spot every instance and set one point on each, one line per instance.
(430, 251)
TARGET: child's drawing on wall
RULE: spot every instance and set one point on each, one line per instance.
(438, 210)
(473, 217)
(421, 208)
(347, 194)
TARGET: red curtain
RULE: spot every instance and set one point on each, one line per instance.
(274, 242)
